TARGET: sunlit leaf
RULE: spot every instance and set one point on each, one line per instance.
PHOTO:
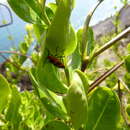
(90, 42)
(76, 103)
(12, 114)
(103, 110)
(127, 63)
(22, 9)
(5, 91)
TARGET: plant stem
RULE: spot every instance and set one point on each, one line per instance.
(14, 64)
(14, 52)
(84, 35)
(67, 74)
(109, 44)
(112, 42)
(104, 76)
(119, 90)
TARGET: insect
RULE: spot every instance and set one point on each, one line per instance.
(56, 61)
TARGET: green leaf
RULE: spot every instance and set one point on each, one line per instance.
(127, 63)
(90, 41)
(76, 56)
(22, 9)
(52, 6)
(103, 110)
(39, 9)
(54, 108)
(4, 92)
(61, 39)
(84, 80)
(51, 103)
(12, 114)
(47, 77)
(76, 103)
(56, 125)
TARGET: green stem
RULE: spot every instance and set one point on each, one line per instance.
(109, 44)
(67, 74)
(112, 42)
(84, 36)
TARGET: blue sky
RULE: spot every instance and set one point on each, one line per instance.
(80, 12)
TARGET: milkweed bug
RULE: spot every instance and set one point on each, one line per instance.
(56, 61)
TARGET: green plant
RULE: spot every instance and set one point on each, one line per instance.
(63, 94)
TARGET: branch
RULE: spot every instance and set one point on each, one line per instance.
(112, 42)
(84, 35)
(15, 52)
(14, 64)
(104, 76)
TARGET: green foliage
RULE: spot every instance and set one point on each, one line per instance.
(90, 44)
(56, 125)
(127, 63)
(111, 81)
(61, 39)
(22, 9)
(128, 109)
(4, 93)
(107, 112)
(12, 114)
(44, 76)
(127, 79)
(76, 103)
(62, 95)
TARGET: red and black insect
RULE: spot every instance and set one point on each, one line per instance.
(56, 61)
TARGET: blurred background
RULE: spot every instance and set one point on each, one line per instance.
(10, 36)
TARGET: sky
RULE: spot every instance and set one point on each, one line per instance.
(79, 14)
(3, 1)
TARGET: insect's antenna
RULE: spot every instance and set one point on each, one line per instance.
(10, 14)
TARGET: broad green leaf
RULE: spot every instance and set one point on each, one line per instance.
(22, 9)
(127, 63)
(76, 103)
(47, 77)
(84, 80)
(56, 125)
(50, 102)
(5, 91)
(90, 42)
(53, 108)
(39, 9)
(61, 39)
(76, 56)
(50, 13)
(12, 114)
(103, 110)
